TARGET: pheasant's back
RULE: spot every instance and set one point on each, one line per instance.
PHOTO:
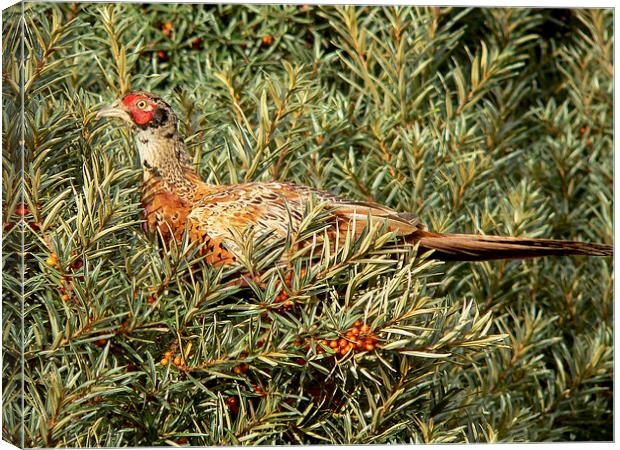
(219, 215)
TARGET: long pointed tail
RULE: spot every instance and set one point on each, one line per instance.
(471, 247)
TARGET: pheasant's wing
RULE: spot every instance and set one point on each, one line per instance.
(266, 207)
(274, 207)
(360, 212)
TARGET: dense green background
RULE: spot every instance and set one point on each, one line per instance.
(479, 120)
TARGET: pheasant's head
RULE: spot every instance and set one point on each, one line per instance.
(155, 125)
(141, 109)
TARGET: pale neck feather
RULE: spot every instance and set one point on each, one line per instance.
(162, 155)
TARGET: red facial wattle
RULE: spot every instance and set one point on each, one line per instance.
(139, 116)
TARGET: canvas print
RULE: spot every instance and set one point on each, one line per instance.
(231, 225)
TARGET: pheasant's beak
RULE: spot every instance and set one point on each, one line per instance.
(114, 110)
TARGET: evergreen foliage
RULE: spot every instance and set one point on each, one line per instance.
(494, 121)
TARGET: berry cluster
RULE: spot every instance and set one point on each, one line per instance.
(358, 338)
(178, 360)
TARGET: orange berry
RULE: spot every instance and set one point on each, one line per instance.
(177, 361)
(359, 344)
(237, 370)
(65, 298)
(370, 347)
(358, 323)
(182, 441)
(101, 342)
(325, 342)
(333, 344)
(164, 361)
(343, 342)
(365, 328)
(355, 331)
(268, 39)
(168, 354)
(583, 130)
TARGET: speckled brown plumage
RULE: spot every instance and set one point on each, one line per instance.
(176, 200)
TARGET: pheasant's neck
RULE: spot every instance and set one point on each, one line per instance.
(165, 161)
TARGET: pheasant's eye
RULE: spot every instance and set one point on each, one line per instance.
(141, 104)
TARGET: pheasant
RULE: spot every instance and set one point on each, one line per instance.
(177, 201)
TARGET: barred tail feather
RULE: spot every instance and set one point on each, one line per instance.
(470, 247)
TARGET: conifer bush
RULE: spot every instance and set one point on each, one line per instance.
(495, 121)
